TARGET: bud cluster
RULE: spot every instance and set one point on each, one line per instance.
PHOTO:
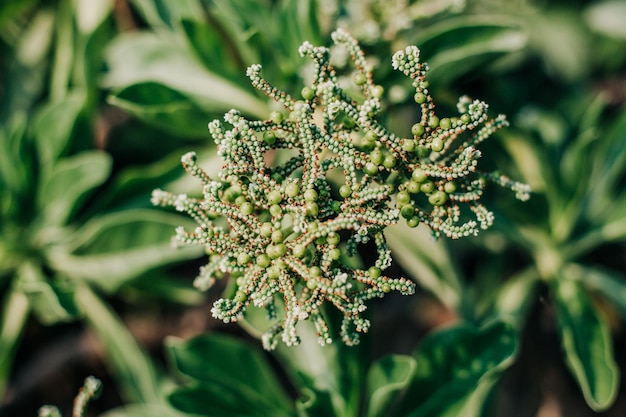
(301, 192)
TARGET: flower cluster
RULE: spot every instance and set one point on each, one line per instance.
(300, 192)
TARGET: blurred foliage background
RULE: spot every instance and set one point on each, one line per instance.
(98, 101)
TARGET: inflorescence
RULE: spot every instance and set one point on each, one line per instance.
(287, 226)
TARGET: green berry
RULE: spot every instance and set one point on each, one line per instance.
(419, 175)
(376, 156)
(378, 91)
(370, 137)
(310, 195)
(412, 186)
(243, 258)
(385, 288)
(277, 236)
(334, 254)
(449, 187)
(240, 296)
(292, 189)
(427, 187)
(433, 122)
(408, 145)
(269, 137)
(280, 250)
(359, 78)
(436, 145)
(275, 210)
(403, 198)
(333, 238)
(307, 93)
(445, 123)
(420, 98)
(263, 260)
(312, 209)
(417, 130)
(266, 229)
(465, 118)
(413, 222)
(371, 168)
(246, 208)
(345, 191)
(273, 272)
(276, 117)
(336, 206)
(407, 211)
(438, 198)
(374, 272)
(298, 251)
(274, 197)
(315, 271)
(389, 161)
(310, 284)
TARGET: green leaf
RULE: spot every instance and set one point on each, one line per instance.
(161, 106)
(51, 303)
(234, 377)
(456, 46)
(15, 309)
(115, 248)
(166, 13)
(610, 284)
(607, 17)
(587, 343)
(141, 57)
(131, 366)
(516, 296)
(71, 180)
(144, 410)
(456, 369)
(427, 262)
(53, 127)
(386, 378)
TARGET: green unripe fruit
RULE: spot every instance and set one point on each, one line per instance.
(292, 189)
(336, 206)
(273, 272)
(376, 156)
(389, 161)
(385, 288)
(433, 122)
(436, 145)
(266, 229)
(307, 93)
(263, 260)
(312, 209)
(274, 197)
(421, 151)
(345, 191)
(275, 210)
(243, 258)
(359, 78)
(277, 236)
(419, 175)
(334, 254)
(408, 145)
(413, 222)
(427, 187)
(445, 123)
(465, 118)
(240, 296)
(420, 98)
(371, 168)
(378, 91)
(403, 198)
(315, 271)
(370, 137)
(240, 200)
(310, 284)
(412, 186)
(438, 198)
(417, 130)
(333, 238)
(407, 211)
(269, 137)
(246, 208)
(449, 187)
(374, 272)
(310, 195)
(276, 117)
(298, 251)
